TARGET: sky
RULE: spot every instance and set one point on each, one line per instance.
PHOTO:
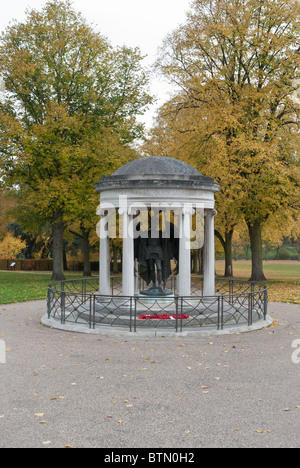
(135, 23)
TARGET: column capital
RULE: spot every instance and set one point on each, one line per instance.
(210, 211)
(123, 210)
(103, 210)
(188, 209)
(130, 210)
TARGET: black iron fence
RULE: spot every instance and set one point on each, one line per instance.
(235, 302)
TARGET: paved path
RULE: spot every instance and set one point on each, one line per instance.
(63, 389)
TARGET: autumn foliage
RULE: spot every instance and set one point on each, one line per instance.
(67, 117)
(235, 114)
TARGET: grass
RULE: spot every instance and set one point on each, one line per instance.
(283, 278)
(23, 287)
(283, 281)
(278, 270)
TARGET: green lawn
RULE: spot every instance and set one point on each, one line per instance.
(22, 287)
(283, 276)
(274, 270)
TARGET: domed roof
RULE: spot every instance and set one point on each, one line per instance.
(156, 172)
(157, 165)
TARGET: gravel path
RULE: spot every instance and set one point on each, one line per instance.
(62, 389)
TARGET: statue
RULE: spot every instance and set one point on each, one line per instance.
(154, 254)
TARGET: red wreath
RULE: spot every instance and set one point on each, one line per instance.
(162, 317)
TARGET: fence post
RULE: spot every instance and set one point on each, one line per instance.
(176, 308)
(134, 311)
(222, 311)
(130, 316)
(230, 291)
(94, 311)
(181, 312)
(48, 303)
(90, 307)
(63, 307)
(249, 308)
(265, 303)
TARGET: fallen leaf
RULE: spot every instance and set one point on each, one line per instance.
(39, 414)
(47, 442)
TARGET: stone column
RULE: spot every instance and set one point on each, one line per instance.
(104, 260)
(209, 253)
(128, 280)
(184, 275)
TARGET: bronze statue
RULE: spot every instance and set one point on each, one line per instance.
(154, 254)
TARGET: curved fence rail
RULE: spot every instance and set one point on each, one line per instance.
(235, 302)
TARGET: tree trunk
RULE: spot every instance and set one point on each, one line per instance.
(200, 261)
(58, 232)
(194, 261)
(86, 253)
(228, 254)
(65, 261)
(227, 246)
(115, 259)
(257, 273)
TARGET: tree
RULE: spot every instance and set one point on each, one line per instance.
(7, 204)
(185, 134)
(69, 96)
(11, 246)
(236, 67)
